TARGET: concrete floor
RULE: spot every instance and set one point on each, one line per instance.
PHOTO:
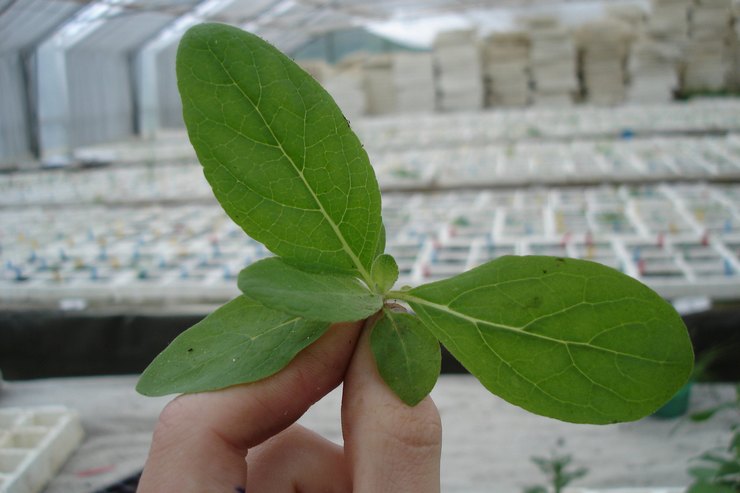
(487, 442)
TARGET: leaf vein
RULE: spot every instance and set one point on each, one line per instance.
(475, 321)
(345, 246)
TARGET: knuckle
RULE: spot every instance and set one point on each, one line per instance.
(172, 414)
(172, 418)
(170, 423)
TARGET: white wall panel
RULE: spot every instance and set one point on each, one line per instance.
(100, 97)
(14, 138)
(170, 107)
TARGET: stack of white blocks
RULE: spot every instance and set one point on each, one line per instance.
(669, 20)
(318, 69)
(707, 49)
(346, 87)
(657, 52)
(413, 80)
(652, 68)
(343, 81)
(458, 68)
(603, 47)
(380, 95)
(552, 62)
(506, 69)
(634, 15)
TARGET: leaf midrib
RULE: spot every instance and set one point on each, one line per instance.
(535, 385)
(405, 296)
(345, 246)
(246, 339)
(402, 342)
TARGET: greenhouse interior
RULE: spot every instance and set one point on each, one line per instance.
(555, 274)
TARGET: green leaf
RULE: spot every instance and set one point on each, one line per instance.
(565, 338)
(277, 151)
(705, 487)
(238, 343)
(703, 473)
(708, 413)
(384, 272)
(535, 489)
(407, 355)
(329, 297)
(729, 468)
(715, 457)
(735, 442)
(381, 241)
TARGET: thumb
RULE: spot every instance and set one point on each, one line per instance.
(389, 446)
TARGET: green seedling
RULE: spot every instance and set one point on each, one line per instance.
(558, 470)
(718, 470)
(564, 338)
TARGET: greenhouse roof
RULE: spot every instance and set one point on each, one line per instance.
(75, 73)
(123, 25)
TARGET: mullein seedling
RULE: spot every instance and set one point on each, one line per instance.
(718, 470)
(558, 470)
(565, 338)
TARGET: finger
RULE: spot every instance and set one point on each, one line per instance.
(388, 445)
(201, 440)
(297, 459)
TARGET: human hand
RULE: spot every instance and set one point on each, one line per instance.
(201, 440)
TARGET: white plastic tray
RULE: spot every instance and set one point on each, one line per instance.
(34, 443)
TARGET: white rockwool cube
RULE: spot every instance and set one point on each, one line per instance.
(34, 443)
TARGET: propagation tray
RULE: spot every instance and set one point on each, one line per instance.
(682, 240)
(148, 230)
(465, 166)
(401, 132)
(34, 443)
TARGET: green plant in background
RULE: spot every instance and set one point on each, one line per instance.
(461, 221)
(564, 338)
(718, 470)
(558, 471)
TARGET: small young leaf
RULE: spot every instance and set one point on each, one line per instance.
(384, 272)
(407, 355)
(240, 342)
(329, 297)
(277, 151)
(565, 338)
(381, 241)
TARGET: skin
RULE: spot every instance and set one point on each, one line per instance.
(245, 438)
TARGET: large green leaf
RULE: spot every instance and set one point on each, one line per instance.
(565, 338)
(407, 355)
(240, 342)
(277, 151)
(329, 297)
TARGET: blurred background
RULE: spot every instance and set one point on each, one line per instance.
(602, 130)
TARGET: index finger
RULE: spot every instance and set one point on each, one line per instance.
(201, 440)
(388, 445)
